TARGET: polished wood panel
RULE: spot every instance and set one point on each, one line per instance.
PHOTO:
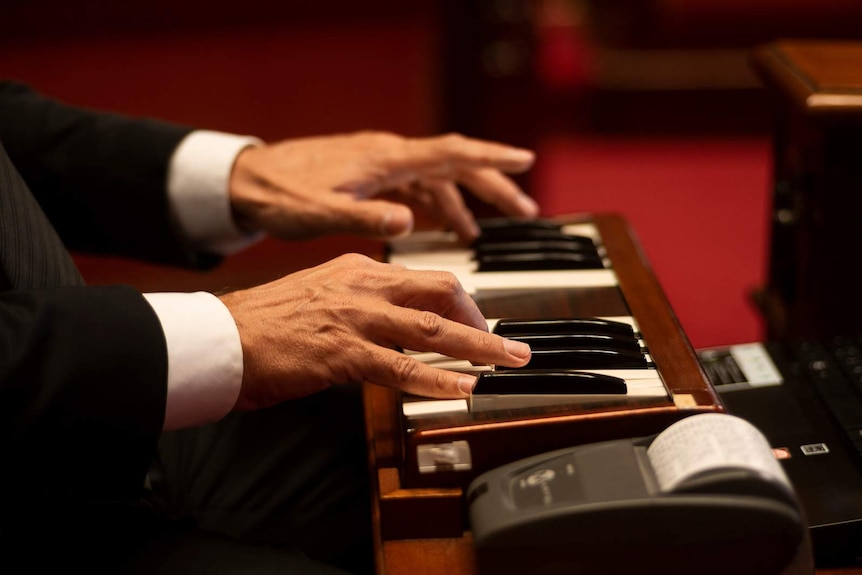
(822, 80)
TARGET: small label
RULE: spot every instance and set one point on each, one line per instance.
(814, 449)
(437, 457)
(684, 401)
(754, 361)
(739, 367)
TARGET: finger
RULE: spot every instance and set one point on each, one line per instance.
(429, 212)
(370, 218)
(427, 331)
(395, 287)
(460, 151)
(393, 369)
(419, 197)
(499, 190)
(444, 156)
(453, 211)
(434, 291)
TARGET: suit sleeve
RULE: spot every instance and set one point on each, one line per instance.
(100, 178)
(82, 377)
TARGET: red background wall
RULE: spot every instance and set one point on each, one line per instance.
(697, 198)
(272, 70)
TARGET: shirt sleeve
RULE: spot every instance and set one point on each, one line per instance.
(198, 177)
(204, 357)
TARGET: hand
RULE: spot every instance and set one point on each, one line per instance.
(303, 188)
(341, 321)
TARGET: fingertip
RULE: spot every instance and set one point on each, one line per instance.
(466, 383)
(521, 155)
(469, 232)
(528, 206)
(517, 349)
(517, 160)
(397, 222)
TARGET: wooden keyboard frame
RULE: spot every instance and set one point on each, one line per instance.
(437, 513)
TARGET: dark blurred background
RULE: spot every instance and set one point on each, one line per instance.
(645, 107)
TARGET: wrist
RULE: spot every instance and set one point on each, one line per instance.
(198, 188)
(241, 184)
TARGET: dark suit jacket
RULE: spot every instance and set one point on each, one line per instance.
(83, 370)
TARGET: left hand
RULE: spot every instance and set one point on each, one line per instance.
(302, 188)
(342, 321)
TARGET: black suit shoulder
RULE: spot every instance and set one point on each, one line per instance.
(99, 177)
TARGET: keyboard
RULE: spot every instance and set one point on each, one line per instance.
(538, 255)
(544, 278)
(831, 368)
(834, 368)
(575, 362)
(425, 451)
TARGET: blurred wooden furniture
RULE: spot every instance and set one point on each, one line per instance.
(662, 65)
(488, 85)
(816, 89)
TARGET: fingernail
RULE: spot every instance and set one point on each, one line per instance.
(517, 348)
(466, 383)
(528, 205)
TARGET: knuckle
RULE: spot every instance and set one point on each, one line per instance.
(389, 148)
(449, 284)
(405, 368)
(450, 142)
(439, 386)
(355, 260)
(452, 139)
(381, 139)
(457, 149)
(430, 324)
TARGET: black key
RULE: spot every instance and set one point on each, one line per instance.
(585, 359)
(544, 382)
(539, 261)
(493, 225)
(562, 326)
(580, 341)
(568, 245)
(523, 234)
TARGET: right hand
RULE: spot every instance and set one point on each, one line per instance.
(374, 184)
(342, 321)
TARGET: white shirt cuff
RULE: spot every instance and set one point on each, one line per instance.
(198, 179)
(204, 357)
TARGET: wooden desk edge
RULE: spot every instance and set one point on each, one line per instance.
(776, 66)
(650, 306)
